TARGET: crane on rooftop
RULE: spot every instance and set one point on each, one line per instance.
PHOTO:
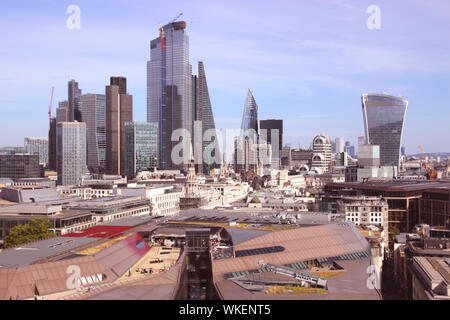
(430, 174)
(50, 107)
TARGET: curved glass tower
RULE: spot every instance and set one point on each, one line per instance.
(384, 116)
(250, 117)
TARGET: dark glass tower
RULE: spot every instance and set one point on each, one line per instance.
(384, 116)
(74, 95)
(119, 109)
(203, 122)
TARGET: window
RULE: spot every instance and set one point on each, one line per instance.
(252, 252)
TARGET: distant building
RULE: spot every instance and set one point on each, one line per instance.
(71, 152)
(17, 166)
(37, 146)
(141, 147)
(384, 116)
(249, 124)
(339, 145)
(361, 140)
(301, 159)
(203, 123)
(119, 109)
(74, 101)
(52, 144)
(321, 158)
(286, 157)
(93, 114)
(271, 130)
(62, 112)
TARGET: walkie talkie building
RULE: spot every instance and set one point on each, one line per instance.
(384, 116)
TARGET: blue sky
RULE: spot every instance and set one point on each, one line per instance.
(307, 62)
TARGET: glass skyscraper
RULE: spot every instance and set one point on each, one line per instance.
(141, 147)
(93, 114)
(384, 116)
(71, 152)
(203, 121)
(169, 101)
(250, 117)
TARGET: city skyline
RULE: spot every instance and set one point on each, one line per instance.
(311, 75)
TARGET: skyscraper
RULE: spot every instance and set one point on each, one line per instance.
(339, 142)
(321, 158)
(246, 145)
(38, 146)
(384, 116)
(169, 101)
(71, 152)
(119, 109)
(62, 112)
(249, 125)
(93, 114)
(74, 101)
(141, 145)
(203, 122)
(52, 144)
(272, 131)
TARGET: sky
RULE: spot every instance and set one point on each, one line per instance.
(306, 62)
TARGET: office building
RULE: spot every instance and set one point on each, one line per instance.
(19, 165)
(301, 159)
(141, 147)
(349, 149)
(384, 116)
(62, 112)
(169, 101)
(249, 124)
(204, 126)
(37, 146)
(119, 109)
(71, 152)
(74, 101)
(271, 130)
(52, 144)
(321, 158)
(361, 140)
(93, 114)
(339, 143)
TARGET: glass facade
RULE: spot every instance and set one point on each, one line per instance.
(141, 147)
(71, 152)
(383, 122)
(37, 146)
(169, 100)
(203, 121)
(93, 114)
(250, 117)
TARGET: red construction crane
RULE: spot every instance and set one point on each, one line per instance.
(431, 175)
(50, 107)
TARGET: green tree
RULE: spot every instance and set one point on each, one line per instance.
(34, 230)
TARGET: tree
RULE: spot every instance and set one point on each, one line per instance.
(34, 230)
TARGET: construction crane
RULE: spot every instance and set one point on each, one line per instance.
(430, 174)
(50, 107)
(176, 18)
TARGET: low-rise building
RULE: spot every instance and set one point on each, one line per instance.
(164, 200)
